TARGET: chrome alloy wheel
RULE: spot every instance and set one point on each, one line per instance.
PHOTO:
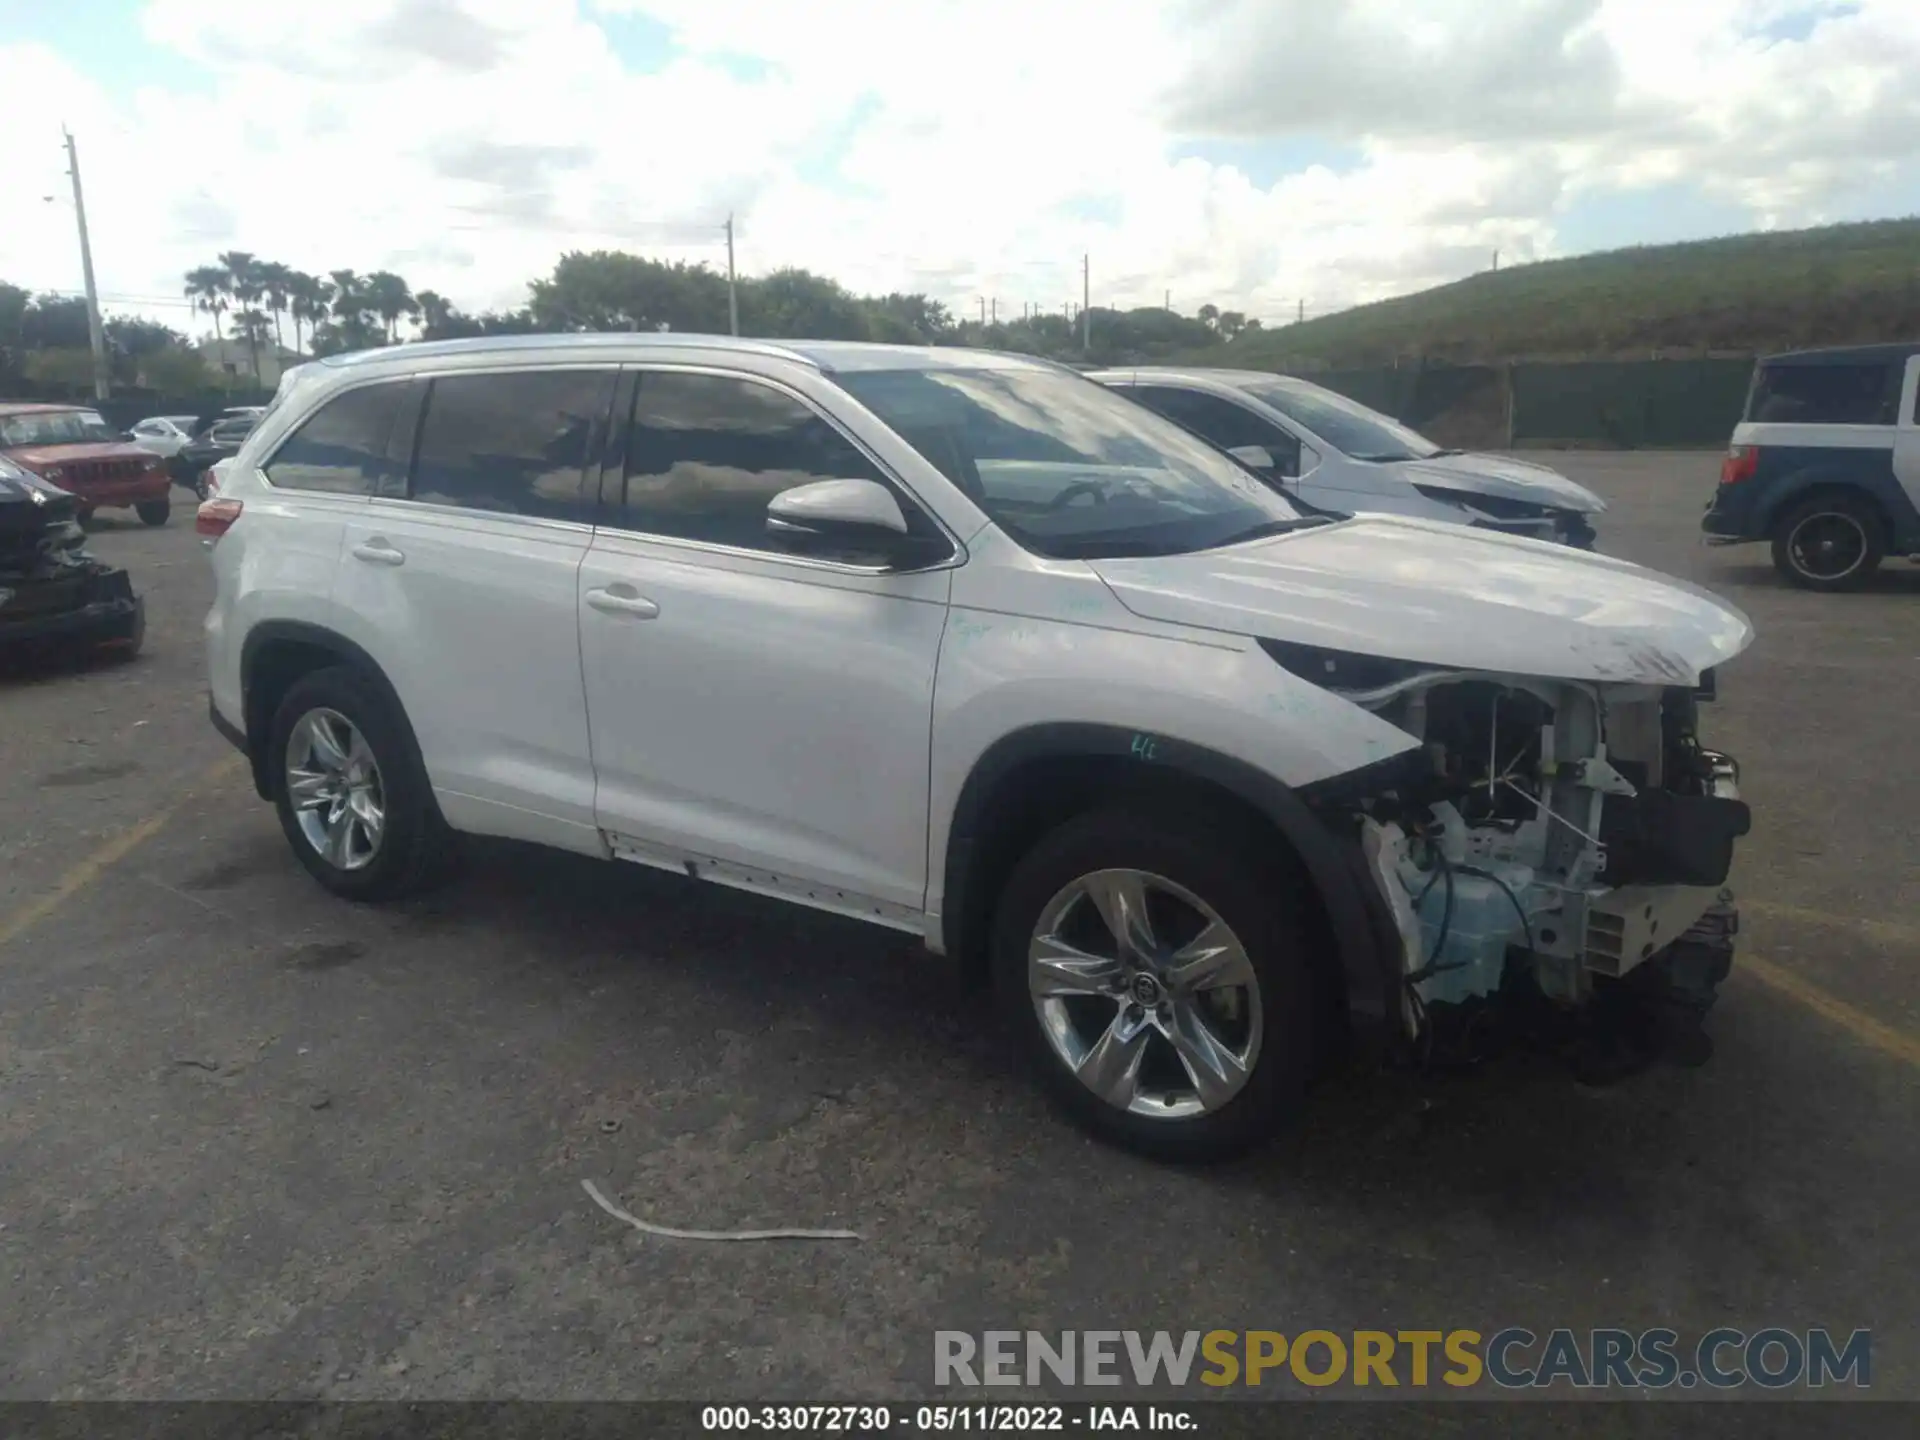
(1145, 994)
(334, 786)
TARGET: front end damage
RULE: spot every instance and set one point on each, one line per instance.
(1554, 858)
(55, 598)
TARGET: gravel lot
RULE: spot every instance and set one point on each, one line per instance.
(256, 1141)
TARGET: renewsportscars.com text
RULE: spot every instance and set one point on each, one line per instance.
(1512, 1358)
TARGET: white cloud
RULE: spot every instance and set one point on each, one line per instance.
(982, 146)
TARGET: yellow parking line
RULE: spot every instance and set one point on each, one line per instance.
(1857, 1023)
(1863, 1027)
(1890, 931)
(111, 853)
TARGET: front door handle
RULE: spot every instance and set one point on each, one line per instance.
(378, 552)
(622, 600)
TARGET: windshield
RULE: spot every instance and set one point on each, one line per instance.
(1348, 426)
(1069, 469)
(55, 427)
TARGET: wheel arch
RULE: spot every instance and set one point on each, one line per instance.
(1037, 777)
(276, 654)
(1795, 489)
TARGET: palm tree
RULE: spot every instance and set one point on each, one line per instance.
(257, 329)
(244, 282)
(389, 297)
(207, 288)
(436, 313)
(351, 302)
(310, 298)
(277, 281)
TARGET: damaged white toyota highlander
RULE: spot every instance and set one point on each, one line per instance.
(1218, 794)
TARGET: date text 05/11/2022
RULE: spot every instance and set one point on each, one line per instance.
(871, 1419)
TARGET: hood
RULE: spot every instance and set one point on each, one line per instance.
(1443, 595)
(1503, 478)
(39, 457)
(30, 504)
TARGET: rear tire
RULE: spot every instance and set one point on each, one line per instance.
(414, 849)
(154, 512)
(1831, 541)
(1260, 1021)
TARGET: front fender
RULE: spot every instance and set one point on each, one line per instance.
(1363, 932)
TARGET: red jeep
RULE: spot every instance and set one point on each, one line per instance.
(72, 447)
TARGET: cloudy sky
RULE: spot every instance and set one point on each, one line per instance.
(1253, 153)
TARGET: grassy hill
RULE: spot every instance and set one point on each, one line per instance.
(1744, 294)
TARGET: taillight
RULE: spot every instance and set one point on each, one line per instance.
(1740, 464)
(215, 517)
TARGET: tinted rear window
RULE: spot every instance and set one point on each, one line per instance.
(1866, 394)
(512, 444)
(341, 448)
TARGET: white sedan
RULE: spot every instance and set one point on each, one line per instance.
(164, 435)
(1335, 454)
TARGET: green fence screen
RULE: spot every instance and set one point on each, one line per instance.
(1633, 404)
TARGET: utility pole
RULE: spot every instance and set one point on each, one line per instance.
(983, 310)
(1169, 305)
(1301, 317)
(1086, 303)
(995, 305)
(102, 376)
(1496, 261)
(733, 295)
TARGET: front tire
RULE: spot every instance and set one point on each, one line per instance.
(1157, 978)
(154, 512)
(1832, 541)
(353, 800)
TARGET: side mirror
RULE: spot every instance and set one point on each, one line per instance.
(838, 515)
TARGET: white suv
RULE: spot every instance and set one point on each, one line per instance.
(966, 645)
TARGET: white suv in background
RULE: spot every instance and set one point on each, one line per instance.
(966, 645)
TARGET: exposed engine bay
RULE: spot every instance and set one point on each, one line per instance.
(1551, 838)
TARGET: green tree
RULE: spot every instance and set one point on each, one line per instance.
(175, 370)
(244, 284)
(1210, 316)
(276, 280)
(353, 327)
(909, 320)
(54, 322)
(436, 314)
(390, 297)
(309, 299)
(207, 288)
(13, 310)
(798, 304)
(609, 290)
(131, 341)
(64, 367)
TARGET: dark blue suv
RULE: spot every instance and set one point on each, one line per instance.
(1825, 464)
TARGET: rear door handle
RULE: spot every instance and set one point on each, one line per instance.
(622, 600)
(379, 552)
